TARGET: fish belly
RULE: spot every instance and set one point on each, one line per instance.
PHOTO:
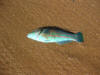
(57, 39)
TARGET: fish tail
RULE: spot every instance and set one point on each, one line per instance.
(79, 36)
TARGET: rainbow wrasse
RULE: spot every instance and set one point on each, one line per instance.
(50, 35)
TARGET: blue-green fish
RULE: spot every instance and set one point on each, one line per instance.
(57, 35)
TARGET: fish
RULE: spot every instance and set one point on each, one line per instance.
(55, 35)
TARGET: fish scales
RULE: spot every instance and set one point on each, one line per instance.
(49, 35)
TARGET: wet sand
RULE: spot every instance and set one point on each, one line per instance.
(22, 56)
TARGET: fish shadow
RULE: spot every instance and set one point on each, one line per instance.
(56, 28)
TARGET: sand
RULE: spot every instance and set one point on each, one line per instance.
(22, 56)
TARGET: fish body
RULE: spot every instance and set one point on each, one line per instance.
(50, 35)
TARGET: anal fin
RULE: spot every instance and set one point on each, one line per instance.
(63, 42)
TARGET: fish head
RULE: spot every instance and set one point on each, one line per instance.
(34, 34)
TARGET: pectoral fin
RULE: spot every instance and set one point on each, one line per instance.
(63, 42)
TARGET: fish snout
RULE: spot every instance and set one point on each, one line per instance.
(29, 36)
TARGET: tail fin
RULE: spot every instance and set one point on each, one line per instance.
(79, 37)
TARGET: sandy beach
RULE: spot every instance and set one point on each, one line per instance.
(22, 56)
